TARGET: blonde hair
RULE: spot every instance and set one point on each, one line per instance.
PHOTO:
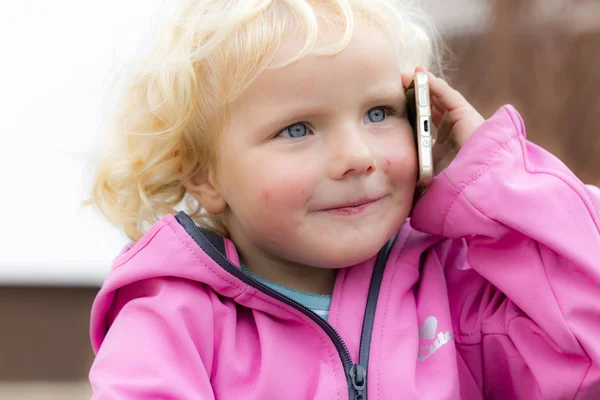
(173, 105)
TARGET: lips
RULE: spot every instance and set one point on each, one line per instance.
(353, 207)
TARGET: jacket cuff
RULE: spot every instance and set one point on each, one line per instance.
(495, 144)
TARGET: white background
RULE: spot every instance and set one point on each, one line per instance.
(57, 60)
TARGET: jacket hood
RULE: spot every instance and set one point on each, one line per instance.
(173, 247)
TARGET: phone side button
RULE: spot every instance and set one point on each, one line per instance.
(422, 97)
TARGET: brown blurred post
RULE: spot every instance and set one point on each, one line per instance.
(543, 57)
(44, 336)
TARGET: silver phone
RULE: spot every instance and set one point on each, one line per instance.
(419, 116)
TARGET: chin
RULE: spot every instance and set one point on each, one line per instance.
(346, 253)
(348, 260)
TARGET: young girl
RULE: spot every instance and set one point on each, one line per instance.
(280, 127)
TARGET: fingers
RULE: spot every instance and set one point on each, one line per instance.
(437, 112)
(452, 115)
(444, 131)
(406, 78)
(446, 96)
(441, 94)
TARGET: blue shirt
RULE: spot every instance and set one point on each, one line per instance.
(317, 303)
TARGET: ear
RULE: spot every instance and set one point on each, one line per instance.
(203, 185)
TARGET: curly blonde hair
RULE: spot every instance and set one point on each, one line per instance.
(174, 103)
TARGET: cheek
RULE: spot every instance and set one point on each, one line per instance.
(400, 164)
(274, 202)
(271, 184)
(284, 188)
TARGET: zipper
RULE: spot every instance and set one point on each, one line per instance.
(359, 377)
(356, 374)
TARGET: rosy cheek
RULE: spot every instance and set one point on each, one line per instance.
(283, 185)
(283, 193)
(401, 167)
(392, 163)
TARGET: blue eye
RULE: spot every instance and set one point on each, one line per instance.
(295, 131)
(376, 114)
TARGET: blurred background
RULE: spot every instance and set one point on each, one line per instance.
(58, 59)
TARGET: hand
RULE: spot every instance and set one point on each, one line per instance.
(453, 117)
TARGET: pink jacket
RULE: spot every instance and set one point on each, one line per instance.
(492, 291)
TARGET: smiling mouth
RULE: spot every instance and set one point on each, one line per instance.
(354, 207)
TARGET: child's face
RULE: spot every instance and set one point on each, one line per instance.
(318, 165)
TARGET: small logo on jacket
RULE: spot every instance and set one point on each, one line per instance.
(427, 332)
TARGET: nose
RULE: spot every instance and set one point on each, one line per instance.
(350, 155)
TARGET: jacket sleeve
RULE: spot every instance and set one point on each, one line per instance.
(529, 289)
(148, 351)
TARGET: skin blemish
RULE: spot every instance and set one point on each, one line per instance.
(387, 165)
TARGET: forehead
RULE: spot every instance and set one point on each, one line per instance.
(369, 59)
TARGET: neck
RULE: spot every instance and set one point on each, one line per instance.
(294, 276)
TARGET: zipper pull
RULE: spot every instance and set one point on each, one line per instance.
(358, 375)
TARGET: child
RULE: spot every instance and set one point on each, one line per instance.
(280, 126)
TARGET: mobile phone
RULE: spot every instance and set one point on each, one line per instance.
(419, 115)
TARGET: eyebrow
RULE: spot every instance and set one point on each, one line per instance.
(385, 95)
(384, 91)
(300, 110)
